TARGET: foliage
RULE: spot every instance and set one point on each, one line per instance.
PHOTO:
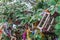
(16, 10)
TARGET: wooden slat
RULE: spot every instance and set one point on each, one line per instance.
(41, 19)
(50, 24)
(46, 20)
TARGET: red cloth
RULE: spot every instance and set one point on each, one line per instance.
(0, 31)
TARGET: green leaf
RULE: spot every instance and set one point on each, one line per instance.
(58, 19)
(57, 26)
(51, 2)
(59, 9)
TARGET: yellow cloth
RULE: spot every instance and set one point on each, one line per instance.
(42, 36)
(28, 31)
